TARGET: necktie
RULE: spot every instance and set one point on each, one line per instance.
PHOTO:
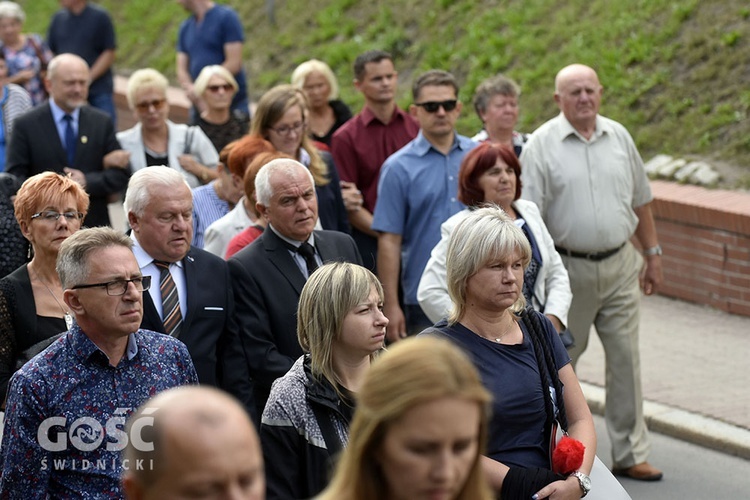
(307, 251)
(70, 140)
(171, 316)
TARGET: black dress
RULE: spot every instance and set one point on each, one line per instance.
(342, 113)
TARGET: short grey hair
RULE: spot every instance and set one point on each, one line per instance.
(138, 195)
(12, 10)
(486, 234)
(145, 78)
(200, 84)
(489, 88)
(61, 58)
(301, 72)
(263, 190)
(72, 260)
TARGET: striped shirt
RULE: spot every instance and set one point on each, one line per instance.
(207, 208)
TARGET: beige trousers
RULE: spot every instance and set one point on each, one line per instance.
(607, 295)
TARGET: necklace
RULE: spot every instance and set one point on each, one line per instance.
(66, 313)
(507, 330)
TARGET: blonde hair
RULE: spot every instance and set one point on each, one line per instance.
(486, 234)
(271, 109)
(415, 371)
(302, 71)
(147, 77)
(330, 293)
(200, 84)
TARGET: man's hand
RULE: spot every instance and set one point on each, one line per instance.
(396, 329)
(352, 196)
(76, 175)
(651, 276)
(119, 158)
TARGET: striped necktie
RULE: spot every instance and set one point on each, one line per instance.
(171, 316)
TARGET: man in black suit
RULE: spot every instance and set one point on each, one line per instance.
(191, 298)
(65, 135)
(268, 275)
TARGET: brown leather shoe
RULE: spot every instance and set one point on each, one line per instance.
(640, 472)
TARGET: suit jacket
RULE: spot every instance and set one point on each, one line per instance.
(209, 329)
(267, 284)
(35, 147)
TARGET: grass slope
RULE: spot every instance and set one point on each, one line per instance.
(675, 72)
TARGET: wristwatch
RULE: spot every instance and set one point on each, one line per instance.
(653, 250)
(584, 481)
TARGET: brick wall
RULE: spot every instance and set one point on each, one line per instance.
(705, 233)
(706, 239)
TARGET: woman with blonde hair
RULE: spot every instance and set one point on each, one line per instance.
(281, 118)
(49, 208)
(419, 430)
(519, 356)
(216, 86)
(327, 112)
(340, 326)
(155, 140)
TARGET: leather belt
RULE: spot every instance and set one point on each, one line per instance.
(593, 256)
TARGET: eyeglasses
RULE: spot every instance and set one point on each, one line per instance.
(433, 106)
(119, 287)
(52, 216)
(216, 88)
(287, 130)
(156, 103)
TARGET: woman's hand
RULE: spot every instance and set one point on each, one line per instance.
(561, 490)
(190, 164)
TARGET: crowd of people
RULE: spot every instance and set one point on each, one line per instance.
(270, 257)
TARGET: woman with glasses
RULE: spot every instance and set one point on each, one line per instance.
(281, 119)
(216, 86)
(155, 140)
(49, 207)
(327, 112)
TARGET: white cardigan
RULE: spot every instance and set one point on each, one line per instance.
(200, 147)
(552, 286)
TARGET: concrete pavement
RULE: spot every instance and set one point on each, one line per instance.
(694, 366)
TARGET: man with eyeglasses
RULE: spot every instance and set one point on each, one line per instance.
(66, 408)
(362, 144)
(192, 296)
(66, 135)
(417, 192)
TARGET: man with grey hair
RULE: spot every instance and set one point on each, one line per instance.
(66, 408)
(192, 296)
(588, 179)
(268, 275)
(66, 135)
(190, 440)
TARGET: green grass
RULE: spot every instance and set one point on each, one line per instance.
(675, 72)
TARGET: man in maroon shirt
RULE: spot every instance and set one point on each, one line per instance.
(363, 143)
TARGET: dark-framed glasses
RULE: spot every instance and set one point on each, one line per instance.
(227, 87)
(288, 130)
(433, 106)
(119, 287)
(146, 105)
(52, 216)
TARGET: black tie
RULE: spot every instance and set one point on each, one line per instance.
(70, 140)
(307, 251)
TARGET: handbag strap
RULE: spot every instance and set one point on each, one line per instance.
(39, 54)
(188, 140)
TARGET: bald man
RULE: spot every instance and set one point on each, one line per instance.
(204, 445)
(588, 179)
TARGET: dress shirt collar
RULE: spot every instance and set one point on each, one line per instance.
(83, 347)
(368, 116)
(422, 146)
(294, 243)
(142, 257)
(567, 129)
(58, 113)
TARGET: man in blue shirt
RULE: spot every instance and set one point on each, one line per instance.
(87, 31)
(66, 409)
(417, 192)
(212, 35)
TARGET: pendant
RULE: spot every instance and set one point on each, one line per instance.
(68, 320)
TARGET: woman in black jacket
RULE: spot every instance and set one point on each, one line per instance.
(341, 326)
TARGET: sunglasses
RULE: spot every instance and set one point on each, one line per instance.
(216, 88)
(433, 106)
(145, 106)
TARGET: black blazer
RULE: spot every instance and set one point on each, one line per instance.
(209, 329)
(35, 147)
(267, 284)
